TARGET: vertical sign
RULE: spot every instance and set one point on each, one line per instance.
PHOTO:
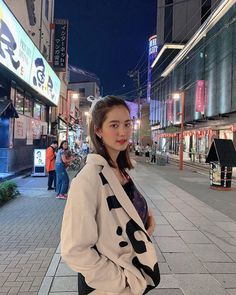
(170, 110)
(60, 45)
(151, 56)
(200, 96)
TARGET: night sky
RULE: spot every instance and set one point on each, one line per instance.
(109, 37)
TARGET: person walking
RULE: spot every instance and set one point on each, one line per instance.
(107, 225)
(50, 164)
(153, 153)
(63, 160)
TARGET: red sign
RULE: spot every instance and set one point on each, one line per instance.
(170, 110)
(200, 95)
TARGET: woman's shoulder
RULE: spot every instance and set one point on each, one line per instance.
(88, 173)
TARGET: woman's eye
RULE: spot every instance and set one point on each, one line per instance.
(127, 125)
(114, 125)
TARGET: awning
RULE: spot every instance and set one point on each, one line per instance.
(7, 109)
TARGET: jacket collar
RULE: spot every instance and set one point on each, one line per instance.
(116, 187)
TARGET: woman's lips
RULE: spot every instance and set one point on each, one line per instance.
(122, 141)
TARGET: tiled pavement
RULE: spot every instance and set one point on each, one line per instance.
(196, 244)
(29, 236)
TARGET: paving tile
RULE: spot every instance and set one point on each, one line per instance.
(63, 270)
(168, 282)
(232, 256)
(164, 206)
(178, 221)
(209, 253)
(171, 244)
(226, 280)
(214, 230)
(227, 226)
(165, 292)
(216, 267)
(161, 220)
(200, 284)
(64, 284)
(225, 244)
(231, 291)
(164, 268)
(194, 237)
(164, 230)
(184, 263)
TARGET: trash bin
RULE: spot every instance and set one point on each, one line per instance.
(221, 157)
(220, 176)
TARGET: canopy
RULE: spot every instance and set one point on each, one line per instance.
(7, 109)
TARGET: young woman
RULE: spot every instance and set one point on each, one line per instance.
(62, 162)
(106, 225)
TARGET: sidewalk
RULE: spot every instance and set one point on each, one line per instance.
(196, 244)
(29, 236)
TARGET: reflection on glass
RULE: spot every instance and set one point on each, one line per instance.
(19, 105)
(37, 111)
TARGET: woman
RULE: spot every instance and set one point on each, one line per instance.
(62, 162)
(106, 225)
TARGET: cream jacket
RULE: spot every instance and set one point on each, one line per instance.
(99, 212)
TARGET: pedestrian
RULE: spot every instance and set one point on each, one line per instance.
(106, 226)
(63, 160)
(50, 164)
(153, 153)
(147, 150)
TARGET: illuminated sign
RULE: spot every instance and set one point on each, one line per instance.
(60, 45)
(39, 157)
(200, 96)
(151, 57)
(19, 55)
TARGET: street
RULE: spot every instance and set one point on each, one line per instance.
(195, 235)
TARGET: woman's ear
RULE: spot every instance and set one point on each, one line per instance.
(98, 132)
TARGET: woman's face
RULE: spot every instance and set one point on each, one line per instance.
(116, 130)
(65, 145)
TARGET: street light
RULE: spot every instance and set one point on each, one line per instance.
(75, 96)
(178, 96)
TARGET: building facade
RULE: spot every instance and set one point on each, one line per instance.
(27, 81)
(204, 72)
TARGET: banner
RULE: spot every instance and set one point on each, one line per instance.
(60, 45)
(20, 56)
(170, 110)
(200, 96)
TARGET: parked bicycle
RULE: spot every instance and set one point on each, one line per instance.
(76, 162)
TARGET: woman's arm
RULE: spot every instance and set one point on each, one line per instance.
(151, 224)
(80, 234)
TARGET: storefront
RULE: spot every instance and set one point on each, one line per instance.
(33, 88)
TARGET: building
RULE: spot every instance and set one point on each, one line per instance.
(28, 84)
(203, 72)
(81, 85)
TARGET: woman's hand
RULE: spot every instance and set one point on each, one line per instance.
(151, 224)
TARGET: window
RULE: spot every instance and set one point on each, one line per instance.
(37, 111)
(19, 105)
(82, 92)
(43, 113)
(28, 107)
(46, 7)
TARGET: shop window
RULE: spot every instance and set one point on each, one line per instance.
(19, 105)
(28, 107)
(37, 111)
(43, 113)
(46, 9)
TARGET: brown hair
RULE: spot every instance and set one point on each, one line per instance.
(99, 114)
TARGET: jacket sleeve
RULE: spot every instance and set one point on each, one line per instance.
(80, 233)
